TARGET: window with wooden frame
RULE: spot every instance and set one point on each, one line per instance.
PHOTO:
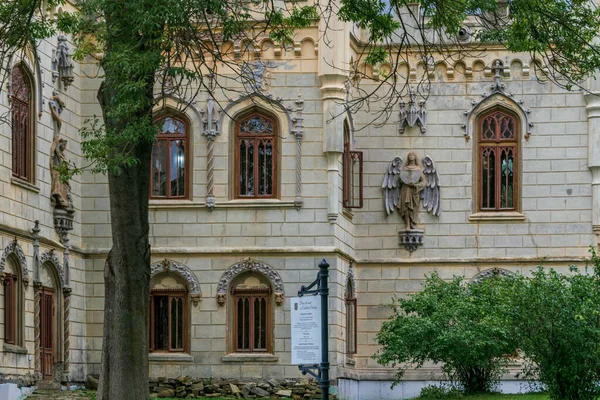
(10, 309)
(352, 173)
(498, 142)
(251, 316)
(169, 173)
(22, 124)
(256, 157)
(350, 318)
(168, 321)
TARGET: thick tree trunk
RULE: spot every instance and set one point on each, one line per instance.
(124, 373)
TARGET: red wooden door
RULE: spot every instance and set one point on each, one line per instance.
(46, 333)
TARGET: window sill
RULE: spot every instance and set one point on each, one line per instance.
(171, 357)
(12, 348)
(241, 357)
(497, 216)
(243, 204)
(24, 184)
(347, 212)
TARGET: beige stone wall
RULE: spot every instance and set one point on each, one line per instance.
(15, 363)
(555, 179)
(208, 329)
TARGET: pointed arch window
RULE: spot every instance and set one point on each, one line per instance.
(13, 297)
(22, 124)
(350, 300)
(256, 157)
(352, 173)
(169, 166)
(498, 162)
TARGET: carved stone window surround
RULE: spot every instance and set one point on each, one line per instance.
(187, 274)
(248, 265)
(24, 184)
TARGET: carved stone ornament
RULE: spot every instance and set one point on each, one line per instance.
(492, 273)
(181, 270)
(250, 264)
(408, 185)
(15, 248)
(497, 91)
(51, 257)
(62, 66)
(411, 114)
(350, 290)
(411, 239)
(67, 291)
(256, 76)
(37, 286)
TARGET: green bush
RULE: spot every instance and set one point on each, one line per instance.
(433, 392)
(453, 323)
(556, 321)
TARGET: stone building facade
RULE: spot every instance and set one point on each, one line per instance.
(219, 244)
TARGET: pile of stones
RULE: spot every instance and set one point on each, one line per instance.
(189, 388)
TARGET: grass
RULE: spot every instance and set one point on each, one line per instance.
(498, 396)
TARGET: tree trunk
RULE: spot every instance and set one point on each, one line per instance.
(124, 373)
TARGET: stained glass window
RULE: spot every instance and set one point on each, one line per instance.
(256, 157)
(168, 170)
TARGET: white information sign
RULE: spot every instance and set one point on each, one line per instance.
(306, 330)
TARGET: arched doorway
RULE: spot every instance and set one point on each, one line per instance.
(50, 320)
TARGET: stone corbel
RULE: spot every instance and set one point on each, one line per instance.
(37, 286)
(196, 299)
(411, 239)
(221, 299)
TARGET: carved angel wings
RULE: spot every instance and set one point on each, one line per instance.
(430, 195)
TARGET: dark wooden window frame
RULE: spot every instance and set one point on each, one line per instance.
(252, 294)
(22, 152)
(168, 138)
(10, 310)
(171, 294)
(255, 139)
(350, 160)
(498, 144)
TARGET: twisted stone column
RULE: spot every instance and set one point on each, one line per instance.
(210, 197)
(67, 310)
(37, 287)
(210, 122)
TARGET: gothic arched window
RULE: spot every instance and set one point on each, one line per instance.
(498, 161)
(256, 157)
(169, 167)
(22, 124)
(13, 302)
(352, 173)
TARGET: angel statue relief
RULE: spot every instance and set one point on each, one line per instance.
(406, 185)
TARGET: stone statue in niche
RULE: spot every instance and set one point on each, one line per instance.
(60, 190)
(406, 186)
